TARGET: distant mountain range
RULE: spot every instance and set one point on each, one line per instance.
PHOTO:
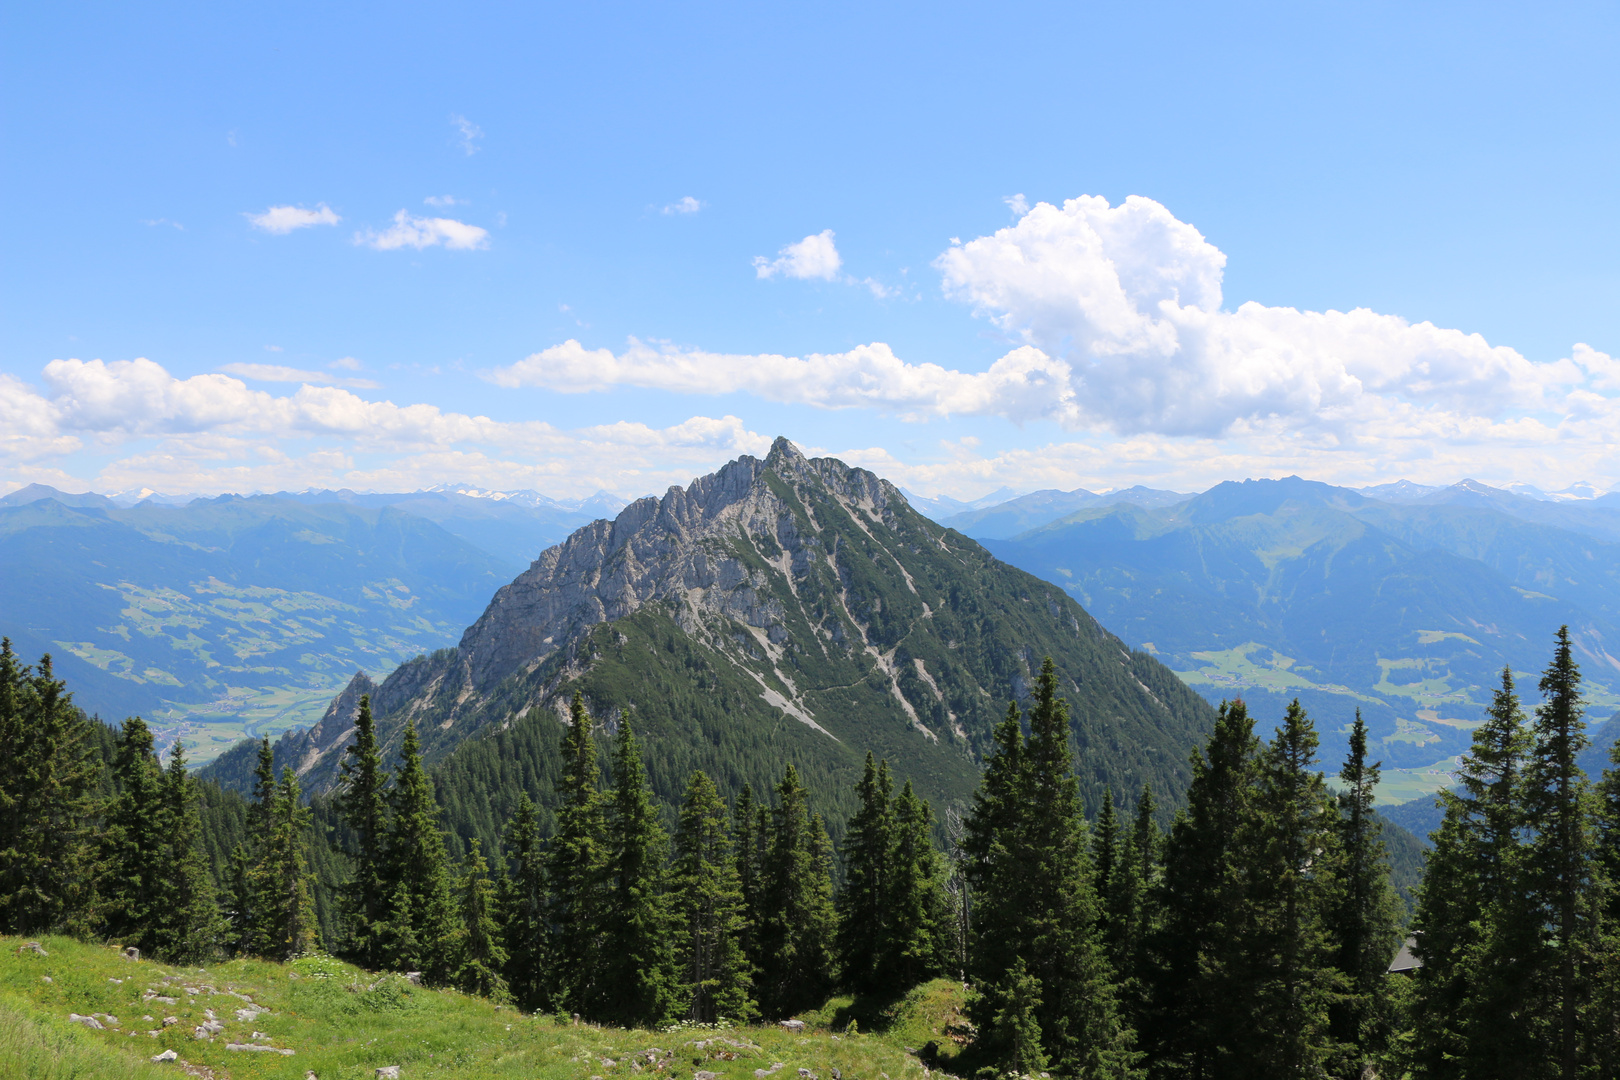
(215, 617)
(1406, 607)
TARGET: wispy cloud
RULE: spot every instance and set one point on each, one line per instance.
(276, 373)
(444, 200)
(1017, 203)
(163, 221)
(346, 363)
(685, 205)
(284, 219)
(470, 133)
(813, 257)
(423, 232)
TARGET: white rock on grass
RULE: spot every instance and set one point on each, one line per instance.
(88, 1021)
(167, 1055)
(388, 1072)
(256, 1046)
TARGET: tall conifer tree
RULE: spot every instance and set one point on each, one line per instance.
(913, 946)
(134, 841)
(188, 927)
(1197, 993)
(576, 868)
(716, 980)
(424, 922)
(479, 954)
(1560, 864)
(363, 800)
(797, 937)
(639, 989)
(523, 906)
(1035, 890)
(1476, 935)
(289, 913)
(1291, 849)
(750, 860)
(1128, 919)
(47, 858)
(864, 904)
(1362, 923)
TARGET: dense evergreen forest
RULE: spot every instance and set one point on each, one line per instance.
(1251, 939)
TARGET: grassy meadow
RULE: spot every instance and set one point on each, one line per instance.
(342, 1024)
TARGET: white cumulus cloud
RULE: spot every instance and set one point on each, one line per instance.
(1131, 297)
(284, 219)
(813, 257)
(684, 205)
(423, 232)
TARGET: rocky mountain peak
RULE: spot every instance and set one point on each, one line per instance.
(689, 549)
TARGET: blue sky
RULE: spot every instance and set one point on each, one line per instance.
(328, 245)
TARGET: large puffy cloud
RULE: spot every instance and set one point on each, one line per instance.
(213, 432)
(1132, 297)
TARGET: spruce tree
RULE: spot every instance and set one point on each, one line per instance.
(1198, 993)
(991, 860)
(479, 954)
(47, 789)
(1605, 969)
(523, 907)
(913, 944)
(750, 861)
(250, 889)
(289, 914)
(188, 927)
(421, 933)
(639, 988)
(134, 840)
(863, 908)
(1128, 911)
(1560, 863)
(576, 869)
(1288, 885)
(363, 802)
(797, 937)
(1106, 844)
(1362, 922)
(1015, 1008)
(716, 980)
(1035, 891)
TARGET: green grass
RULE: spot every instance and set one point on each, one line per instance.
(1239, 667)
(1397, 786)
(343, 1023)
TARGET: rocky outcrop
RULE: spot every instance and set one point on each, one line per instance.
(679, 549)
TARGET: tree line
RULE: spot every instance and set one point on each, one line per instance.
(1253, 939)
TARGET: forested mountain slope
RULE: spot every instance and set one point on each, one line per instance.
(778, 610)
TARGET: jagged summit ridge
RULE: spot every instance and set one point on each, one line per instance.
(679, 549)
